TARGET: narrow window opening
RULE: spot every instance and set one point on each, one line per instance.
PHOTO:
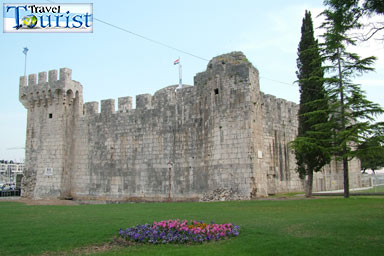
(50, 115)
(216, 91)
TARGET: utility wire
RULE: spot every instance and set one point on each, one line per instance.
(171, 47)
(276, 81)
(151, 40)
(145, 38)
(166, 45)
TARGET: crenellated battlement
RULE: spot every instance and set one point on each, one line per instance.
(161, 99)
(46, 89)
(208, 85)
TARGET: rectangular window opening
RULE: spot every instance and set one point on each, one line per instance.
(50, 115)
(49, 171)
(216, 91)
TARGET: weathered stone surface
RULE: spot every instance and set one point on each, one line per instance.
(221, 139)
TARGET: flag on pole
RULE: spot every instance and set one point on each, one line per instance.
(176, 61)
(25, 51)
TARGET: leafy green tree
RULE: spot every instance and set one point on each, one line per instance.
(367, 9)
(371, 8)
(352, 112)
(374, 6)
(311, 145)
(371, 152)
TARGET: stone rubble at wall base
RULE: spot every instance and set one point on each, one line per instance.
(222, 194)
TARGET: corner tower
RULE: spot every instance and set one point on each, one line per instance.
(231, 94)
(54, 106)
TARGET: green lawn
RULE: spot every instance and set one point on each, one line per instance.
(331, 226)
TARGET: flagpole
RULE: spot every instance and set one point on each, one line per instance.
(25, 51)
(180, 75)
(25, 65)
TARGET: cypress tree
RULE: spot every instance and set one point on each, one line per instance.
(311, 147)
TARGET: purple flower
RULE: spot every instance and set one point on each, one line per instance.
(176, 231)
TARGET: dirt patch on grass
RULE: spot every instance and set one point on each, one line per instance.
(115, 244)
(38, 202)
(286, 198)
(298, 230)
(28, 201)
(49, 202)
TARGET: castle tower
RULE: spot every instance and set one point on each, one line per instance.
(53, 109)
(231, 86)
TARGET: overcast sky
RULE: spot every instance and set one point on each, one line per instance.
(111, 63)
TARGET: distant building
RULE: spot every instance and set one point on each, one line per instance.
(9, 171)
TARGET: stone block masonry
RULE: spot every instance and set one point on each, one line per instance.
(222, 134)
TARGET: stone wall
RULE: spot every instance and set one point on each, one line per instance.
(176, 144)
(280, 125)
(221, 134)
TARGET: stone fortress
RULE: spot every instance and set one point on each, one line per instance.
(222, 134)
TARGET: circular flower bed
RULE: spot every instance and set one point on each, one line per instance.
(179, 232)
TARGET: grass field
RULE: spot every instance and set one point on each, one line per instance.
(331, 226)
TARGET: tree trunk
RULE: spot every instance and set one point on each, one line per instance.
(346, 178)
(308, 192)
(342, 113)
